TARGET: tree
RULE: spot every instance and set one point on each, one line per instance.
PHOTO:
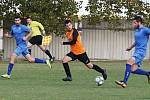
(113, 11)
(51, 13)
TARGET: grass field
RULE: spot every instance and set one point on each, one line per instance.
(37, 82)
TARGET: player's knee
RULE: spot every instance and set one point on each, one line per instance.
(43, 49)
(13, 55)
(134, 67)
(89, 65)
(31, 60)
(130, 61)
(65, 60)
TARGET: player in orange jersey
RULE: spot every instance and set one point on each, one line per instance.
(77, 52)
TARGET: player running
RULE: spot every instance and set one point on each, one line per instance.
(77, 52)
(141, 37)
(19, 32)
(36, 38)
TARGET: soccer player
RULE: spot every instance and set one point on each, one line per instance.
(36, 38)
(19, 32)
(141, 36)
(77, 52)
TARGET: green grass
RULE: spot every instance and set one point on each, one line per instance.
(38, 82)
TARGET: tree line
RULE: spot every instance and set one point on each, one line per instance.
(52, 13)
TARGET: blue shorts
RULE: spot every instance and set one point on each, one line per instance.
(21, 50)
(138, 57)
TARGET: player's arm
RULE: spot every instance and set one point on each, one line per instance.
(27, 36)
(130, 48)
(74, 39)
(147, 31)
(41, 28)
(29, 33)
(8, 35)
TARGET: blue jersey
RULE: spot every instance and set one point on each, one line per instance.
(19, 31)
(141, 40)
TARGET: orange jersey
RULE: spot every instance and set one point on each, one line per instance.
(76, 48)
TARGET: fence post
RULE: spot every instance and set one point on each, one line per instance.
(1, 40)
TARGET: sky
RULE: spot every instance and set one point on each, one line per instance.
(82, 11)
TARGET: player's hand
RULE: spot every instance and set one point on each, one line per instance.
(128, 49)
(43, 33)
(6, 34)
(24, 38)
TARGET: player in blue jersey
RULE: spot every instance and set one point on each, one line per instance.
(21, 33)
(141, 37)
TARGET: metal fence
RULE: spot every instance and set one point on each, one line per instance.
(99, 44)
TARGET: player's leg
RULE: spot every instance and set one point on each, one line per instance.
(34, 60)
(47, 52)
(37, 60)
(38, 41)
(130, 63)
(31, 59)
(136, 70)
(11, 63)
(142, 72)
(10, 66)
(98, 69)
(29, 47)
(84, 58)
(69, 57)
(31, 42)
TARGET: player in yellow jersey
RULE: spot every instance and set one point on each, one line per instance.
(36, 38)
(77, 52)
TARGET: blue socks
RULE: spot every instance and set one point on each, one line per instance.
(127, 73)
(39, 61)
(140, 72)
(10, 67)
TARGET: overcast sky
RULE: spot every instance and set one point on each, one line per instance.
(84, 4)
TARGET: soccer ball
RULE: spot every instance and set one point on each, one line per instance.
(99, 80)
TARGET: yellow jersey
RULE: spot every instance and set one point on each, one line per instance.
(36, 28)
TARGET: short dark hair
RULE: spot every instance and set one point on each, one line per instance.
(138, 18)
(29, 17)
(67, 21)
(16, 17)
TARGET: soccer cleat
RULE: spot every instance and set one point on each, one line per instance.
(49, 64)
(52, 59)
(67, 79)
(148, 77)
(121, 83)
(104, 74)
(5, 76)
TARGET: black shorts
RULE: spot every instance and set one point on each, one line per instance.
(81, 57)
(36, 40)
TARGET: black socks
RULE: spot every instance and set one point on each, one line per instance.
(67, 69)
(97, 68)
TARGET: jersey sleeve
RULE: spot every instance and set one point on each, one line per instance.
(147, 31)
(74, 39)
(11, 32)
(40, 26)
(26, 29)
